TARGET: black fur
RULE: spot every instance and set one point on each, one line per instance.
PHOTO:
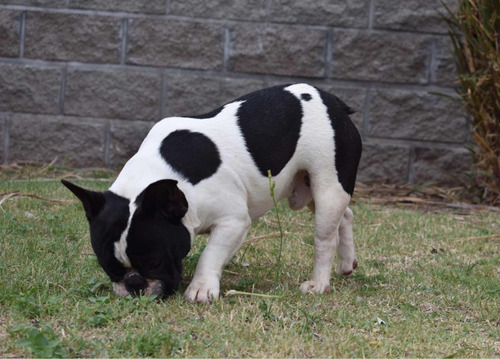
(270, 121)
(346, 138)
(134, 283)
(191, 154)
(306, 97)
(107, 214)
(157, 241)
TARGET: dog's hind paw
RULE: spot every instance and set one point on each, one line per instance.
(346, 267)
(314, 287)
(202, 292)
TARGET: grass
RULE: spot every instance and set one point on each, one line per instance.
(423, 289)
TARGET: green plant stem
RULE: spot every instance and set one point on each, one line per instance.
(272, 186)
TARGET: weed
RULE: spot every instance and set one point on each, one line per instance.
(41, 342)
(265, 307)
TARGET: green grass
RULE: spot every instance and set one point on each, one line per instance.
(437, 293)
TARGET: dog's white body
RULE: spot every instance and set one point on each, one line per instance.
(226, 203)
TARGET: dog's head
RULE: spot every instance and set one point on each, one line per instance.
(139, 244)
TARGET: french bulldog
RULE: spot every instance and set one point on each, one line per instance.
(209, 174)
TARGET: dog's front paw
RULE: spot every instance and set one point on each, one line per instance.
(202, 292)
(312, 286)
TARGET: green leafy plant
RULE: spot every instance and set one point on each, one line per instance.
(475, 32)
(42, 342)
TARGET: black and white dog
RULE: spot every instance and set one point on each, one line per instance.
(209, 174)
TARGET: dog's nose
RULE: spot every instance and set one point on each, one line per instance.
(134, 283)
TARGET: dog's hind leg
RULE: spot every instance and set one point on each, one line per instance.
(330, 203)
(347, 261)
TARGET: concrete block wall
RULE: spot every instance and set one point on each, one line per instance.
(84, 80)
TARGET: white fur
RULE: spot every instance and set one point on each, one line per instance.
(226, 203)
(121, 245)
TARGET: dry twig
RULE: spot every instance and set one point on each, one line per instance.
(31, 195)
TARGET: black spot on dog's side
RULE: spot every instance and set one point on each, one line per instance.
(305, 97)
(270, 121)
(191, 154)
(347, 140)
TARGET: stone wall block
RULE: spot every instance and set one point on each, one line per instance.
(10, 29)
(3, 122)
(412, 15)
(219, 9)
(444, 71)
(442, 165)
(172, 43)
(195, 95)
(381, 56)
(145, 7)
(29, 88)
(277, 49)
(125, 139)
(72, 37)
(75, 142)
(40, 3)
(404, 114)
(322, 12)
(128, 95)
(384, 162)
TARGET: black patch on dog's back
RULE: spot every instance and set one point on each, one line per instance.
(347, 140)
(191, 154)
(270, 121)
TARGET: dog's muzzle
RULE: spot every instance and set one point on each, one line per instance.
(134, 284)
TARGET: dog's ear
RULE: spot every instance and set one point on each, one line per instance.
(163, 198)
(92, 201)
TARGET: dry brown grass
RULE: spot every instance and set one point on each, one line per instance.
(475, 31)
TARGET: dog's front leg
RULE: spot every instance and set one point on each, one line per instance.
(226, 238)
